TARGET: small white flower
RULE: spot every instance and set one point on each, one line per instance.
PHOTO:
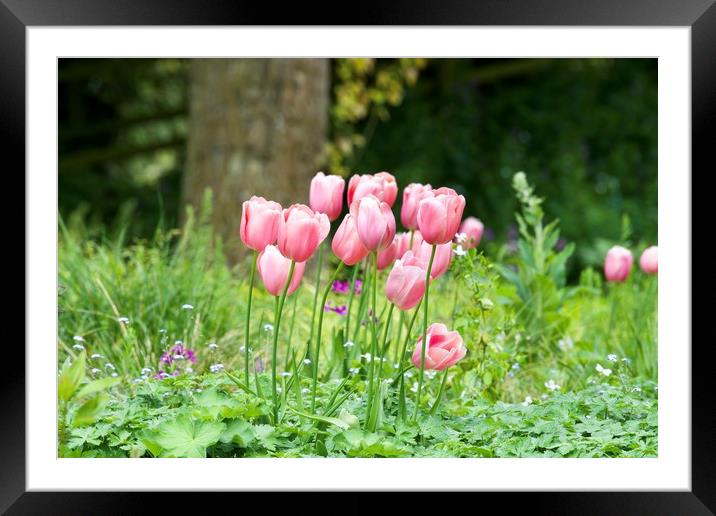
(216, 368)
(604, 371)
(114, 375)
(214, 345)
(625, 359)
(565, 343)
(286, 374)
(305, 390)
(78, 347)
(459, 251)
(367, 356)
(94, 370)
(78, 338)
(165, 375)
(551, 385)
(396, 365)
(146, 370)
(163, 330)
(414, 388)
(268, 327)
(109, 366)
(528, 401)
(349, 344)
(123, 320)
(306, 361)
(187, 306)
(461, 238)
(189, 369)
(636, 389)
(138, 380)
(354, 370)
(515, 366)
(167, 394)
(612, 357)
(95, 356)
(178, 357)
(178, 342)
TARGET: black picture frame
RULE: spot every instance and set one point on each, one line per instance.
(17, 15)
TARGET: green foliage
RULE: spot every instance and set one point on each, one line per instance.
(600, 421)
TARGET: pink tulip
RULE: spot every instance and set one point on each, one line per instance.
(402, 244)
(412, 195)
(387, 256)
(374, 221)
(441, 261)
(382, 185)
(301, 231)
(445, 348)
(439, 216)
(472, 228)
(618, 264)
(406, 282)
(326, 195)
(346, 245)
(649, 260)
(274, 267)
(260, 220)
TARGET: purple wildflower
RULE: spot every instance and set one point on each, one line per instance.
(341, 287)
(341, 310)
(358, 285)
(166, 358)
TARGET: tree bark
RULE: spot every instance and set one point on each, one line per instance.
(257, 127)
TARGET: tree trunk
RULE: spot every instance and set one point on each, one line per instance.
(257, 127)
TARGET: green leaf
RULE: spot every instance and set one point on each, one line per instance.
(71, 376)
(184, 437)
(97, 385)
(89, 410)
(323, 419)
(239, 432)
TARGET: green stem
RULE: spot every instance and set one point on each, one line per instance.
(274, 348)
(294, 302)
(374, 330)
(248, 318)
(350, 302)
(383, 349)
(440, 393)
(315, 294)
(317, 355)
(424, 345)
(401, 398)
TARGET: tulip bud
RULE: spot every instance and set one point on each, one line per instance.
(374, 221)
(412, 195)
(301, 231)
(346, 244)
(617, 264)
(273, 268)
(326, 195)
(260, 220)
(439, 216)
(649, 261)
(405, 285)
(472, 228)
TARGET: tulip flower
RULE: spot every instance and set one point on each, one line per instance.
(260, 221)
(439, 216)
(617, 264)
(405, 285)
(649, 260)
(444, 349)
(441, 262)
(412, 195)
(386, 256)
(402, 244)
(472, 229)
(326, 195)
(382, 185)
(374, 221)
(274, 268)
(346, 244)
(301, 231)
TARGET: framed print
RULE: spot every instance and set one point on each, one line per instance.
(412, 252)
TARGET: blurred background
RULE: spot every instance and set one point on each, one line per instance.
(141, 138)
